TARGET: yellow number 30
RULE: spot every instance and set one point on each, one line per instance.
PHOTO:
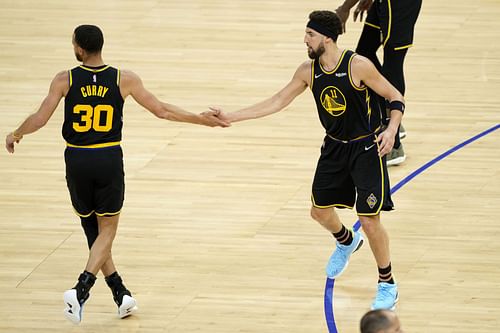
(91, 118)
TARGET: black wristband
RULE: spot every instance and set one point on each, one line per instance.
(397, 105)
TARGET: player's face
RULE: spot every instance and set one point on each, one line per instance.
(76, 49)
(314, 43)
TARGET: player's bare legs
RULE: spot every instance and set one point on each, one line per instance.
(377, 238)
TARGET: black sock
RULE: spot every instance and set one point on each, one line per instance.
(344, 236)
(385, 275)
(115, 283)
(85, 281)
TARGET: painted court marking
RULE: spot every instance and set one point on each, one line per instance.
(330, 283)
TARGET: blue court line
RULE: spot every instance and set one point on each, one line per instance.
(330, 283)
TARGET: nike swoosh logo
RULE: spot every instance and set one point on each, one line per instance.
(317, 75)
(369, 147)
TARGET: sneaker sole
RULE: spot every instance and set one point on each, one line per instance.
(128, 307)
(402, 135)
(73, 310)
(360, 243)
(396, 161)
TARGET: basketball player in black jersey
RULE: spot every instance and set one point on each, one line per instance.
(389, 24)
(352, 162)
(93, 117)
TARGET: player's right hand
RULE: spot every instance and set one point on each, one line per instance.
(9, 142)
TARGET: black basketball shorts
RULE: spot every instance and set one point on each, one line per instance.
(349, 173)
(396, 20)
(95, 180)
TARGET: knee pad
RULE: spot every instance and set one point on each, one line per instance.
(91, 228)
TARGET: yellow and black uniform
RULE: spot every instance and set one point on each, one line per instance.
(93, 121)
(395, 20)
(391, 24)
(349, 163)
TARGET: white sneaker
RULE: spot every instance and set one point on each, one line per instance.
(396, 156)
(73, 310)
(128, 306)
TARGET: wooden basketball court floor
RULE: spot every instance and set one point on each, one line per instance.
(215, 234)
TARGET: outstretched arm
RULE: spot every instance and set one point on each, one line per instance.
(58, 88)
(131, 84)
(362, 70)
(275, 103)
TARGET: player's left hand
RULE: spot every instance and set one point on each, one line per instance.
(385, 141)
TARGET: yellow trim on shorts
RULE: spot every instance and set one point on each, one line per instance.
(98, 145)
(403, 47)
(329, 206)
(82, 215)
(108, 214)
(389, 23)
(98, 214)
(372, 25)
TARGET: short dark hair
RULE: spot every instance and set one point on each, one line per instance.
(89, 37)
(329, 20)
(374, 321)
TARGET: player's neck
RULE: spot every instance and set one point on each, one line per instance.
(93, 61)
(330, 58)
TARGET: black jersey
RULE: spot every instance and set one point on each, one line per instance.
(347, 112)
(93, 111)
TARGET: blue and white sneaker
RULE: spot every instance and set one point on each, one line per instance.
(340, 257)
(73, 310)
(387, 297)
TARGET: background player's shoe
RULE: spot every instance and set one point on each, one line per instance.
(387, 296)
(127, 307)
(73, 310)
(396, 156)
(340, 257)
(402, 132)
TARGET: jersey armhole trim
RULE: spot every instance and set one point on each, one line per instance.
(312, 75)
(350, 76)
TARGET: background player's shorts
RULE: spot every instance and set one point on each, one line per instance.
(396, 20)
(95, 180)
(347, 170)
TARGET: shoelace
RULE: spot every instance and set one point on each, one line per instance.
(383, 293)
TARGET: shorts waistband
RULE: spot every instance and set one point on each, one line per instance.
(359, 138)
(95, 146)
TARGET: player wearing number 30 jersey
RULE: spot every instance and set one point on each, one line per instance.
(94, 95)
(93, 112)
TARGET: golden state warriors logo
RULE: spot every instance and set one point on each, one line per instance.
(371, 200)
(333, 101)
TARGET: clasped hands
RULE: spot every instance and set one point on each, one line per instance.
(215, 117)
